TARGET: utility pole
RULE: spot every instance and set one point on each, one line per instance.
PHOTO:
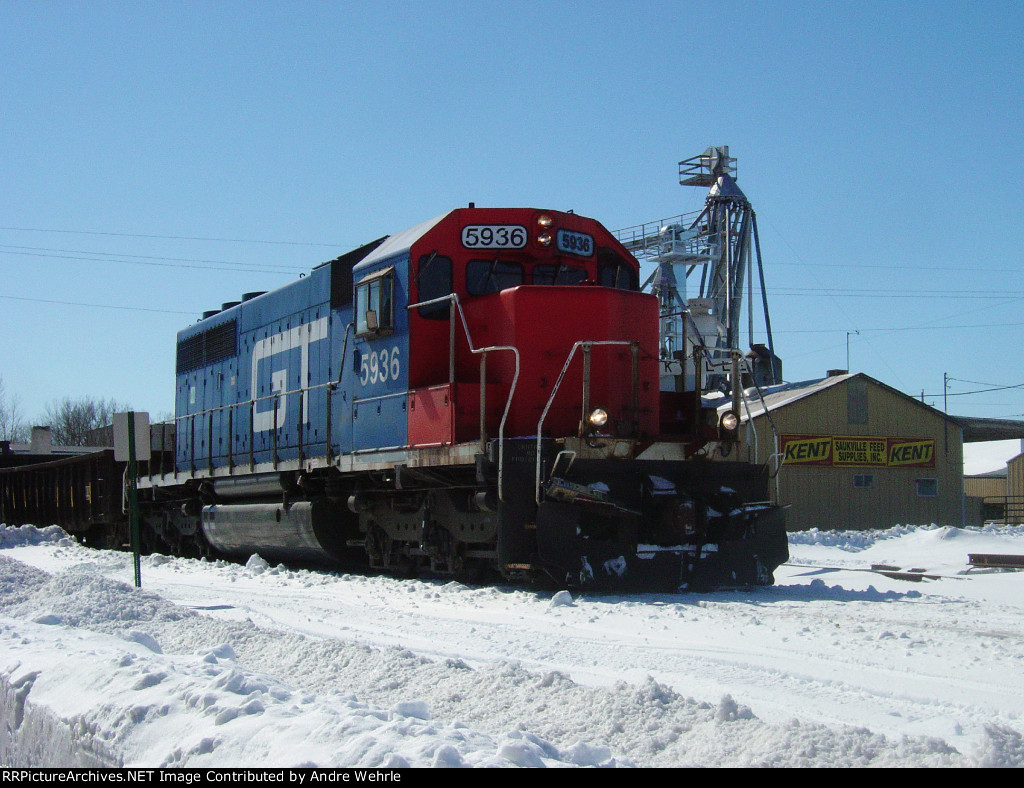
(945, 408)
(848, 347)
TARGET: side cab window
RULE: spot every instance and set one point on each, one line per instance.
(375, 303)
(613, 271)
(434, 279)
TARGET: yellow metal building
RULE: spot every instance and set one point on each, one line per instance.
(854, 453)
(1015, 489)
(985, 497)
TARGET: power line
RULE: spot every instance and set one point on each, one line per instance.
(140, 256)
(98, 306)
(153, 261)
(175, 237)
(973, 268)
(979, 383)
(896, 329)
(994, 387)
(945, 294)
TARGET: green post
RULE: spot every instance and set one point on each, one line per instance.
(133, 500)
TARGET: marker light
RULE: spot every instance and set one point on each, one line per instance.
(730, 421)
(598, 417)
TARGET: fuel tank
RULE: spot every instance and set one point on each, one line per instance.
(304, 531)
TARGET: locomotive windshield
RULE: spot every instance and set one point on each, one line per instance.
(546, 274)
(492, 276)
(613, 271)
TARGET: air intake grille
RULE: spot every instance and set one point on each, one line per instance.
(214, 344)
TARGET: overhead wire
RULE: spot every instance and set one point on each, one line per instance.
(98, 306)
(831, 293)
(173, 237)
(164, 262)
(893, 267)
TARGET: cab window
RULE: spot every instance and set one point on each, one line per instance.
(375, 303)
(492, 276)
(614, 271)
(434, 280)
(558, 274)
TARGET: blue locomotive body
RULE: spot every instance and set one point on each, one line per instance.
(288, 374)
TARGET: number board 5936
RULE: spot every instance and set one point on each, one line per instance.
(575, 243)
(494, 236)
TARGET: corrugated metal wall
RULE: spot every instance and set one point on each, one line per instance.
(985, 486)
(1015, 489)
(984, 499)
(826, 496)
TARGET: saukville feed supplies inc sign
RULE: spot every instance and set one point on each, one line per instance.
(844, 451)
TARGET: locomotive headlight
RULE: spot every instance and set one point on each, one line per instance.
(544, 239)
(544, 220)
(598, 417)
(729, 422)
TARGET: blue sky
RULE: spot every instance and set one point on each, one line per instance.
(879, 143)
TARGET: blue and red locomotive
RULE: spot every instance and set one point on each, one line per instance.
(479, 394)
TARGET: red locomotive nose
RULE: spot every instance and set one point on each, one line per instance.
(545, 323)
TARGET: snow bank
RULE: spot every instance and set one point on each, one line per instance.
(95, 672)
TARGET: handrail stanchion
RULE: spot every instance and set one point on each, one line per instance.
(454, 298)
(483, 402)
(252, 435)
(587, 348)
(302, 422)
(231, 439)
(586, 345)
(275, 458)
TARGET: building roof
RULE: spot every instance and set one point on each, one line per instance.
(976, 429)
(998, 473)
(779, 396)
(775, 397)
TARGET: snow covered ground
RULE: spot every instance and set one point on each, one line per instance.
(215, 664)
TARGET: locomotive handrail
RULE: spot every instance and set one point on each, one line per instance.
(329, 455)
(375, 397)
(344, 353)
(586, 345)
(454, 298)
(251, 404)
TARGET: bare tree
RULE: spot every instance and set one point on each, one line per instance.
(13, 426)
(79, 422)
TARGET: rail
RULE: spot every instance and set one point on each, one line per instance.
(587, 347)
(454, 299)
(995, 561)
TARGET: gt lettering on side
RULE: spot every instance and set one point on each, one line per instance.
(380, 366)
(300, 338)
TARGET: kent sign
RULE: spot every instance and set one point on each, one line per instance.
(844, 451)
